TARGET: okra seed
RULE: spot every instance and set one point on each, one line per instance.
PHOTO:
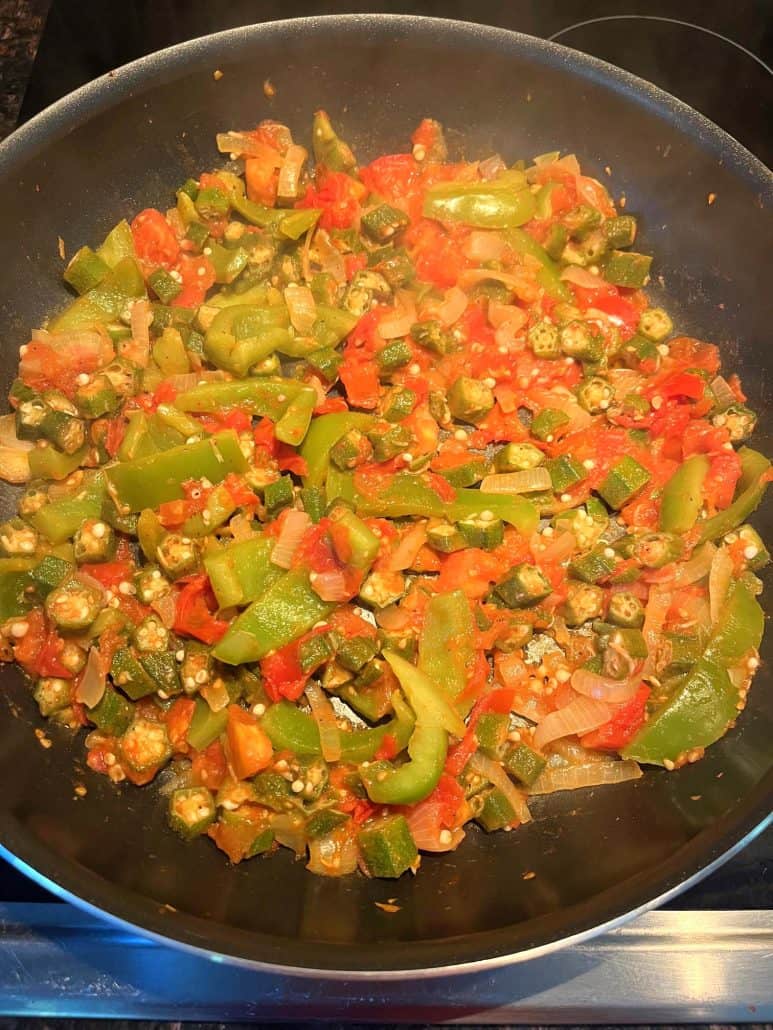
(548, 531)
(83, 379)
(753, 663)
(669, 764)
(19, 630)
(189, 682)
(566, 498)
(549, 438)
(125, 587)
(98, 530)
(281, 398)
(727, 446)
(259, 710)
(180, 655)
(23, 349)
(563, 675)
(419, 152)
(514, 736)
(114, 603)
(720, 420)
(297, 786)
(750, 552)
(663, 350)
(609, 552)
(445, 837)
(176, 276)
(490, 382)
(460, 434)
(657, 403)
(201, 676)
(407, 457)
(414, 369)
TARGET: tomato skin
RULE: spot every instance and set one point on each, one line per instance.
(393, 176)
(39, 649)
(249, 748)
(724, 473)
(622, 727)
(436, 255)
(262, 178)
(209, 767)
(194, 616)
(338, 195)
(178, 722)
(198, 276)
(155, 244)
(109, 573)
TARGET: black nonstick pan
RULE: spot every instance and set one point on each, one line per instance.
(123, 143)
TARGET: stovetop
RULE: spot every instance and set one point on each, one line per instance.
(673, 45)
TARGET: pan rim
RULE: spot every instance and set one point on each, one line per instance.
(739, 826)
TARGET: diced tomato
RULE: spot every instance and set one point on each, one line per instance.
(39, 649)
(116, 430)
(393, 177)
(195, 607)
(694, 353)
(155, 244)
(44, 366)
(236, 838)
(198, 275)
(435, 253)
(249, 748)
(471, 570)
(622, 727)
(110, 573)
(178, 722)
(389, 748)
(722, 479)
(209, 767)
(262, 178)
(339, 197)
(354, 263)
(686, 385)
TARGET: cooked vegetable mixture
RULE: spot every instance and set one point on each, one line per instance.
(365, 501)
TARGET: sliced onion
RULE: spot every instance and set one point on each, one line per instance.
(494, 772)
(289, 182)
(399, 323)
(697, 568)
(581, 715)
(579, 418)
(525, 482)
(294, 527)
(453, 307)
(141, 318)
(604, 688)
(491, 167)
(8, 437)
(330, 259)
(14, 465)
(484, 246)
(426, 828)
(216, 695)
(719, 582)
(91, 688)
(500, 314)
(165, 608)
(244, 145)
(331, 586)
(724, 395)
(91, 583)
(325, 718)
(582, 277)
(574, 777)
(409, 545)
(289, 831)
(654, 616)
(241, 527)
(302, 308)
(559, 549)
(335, 855)
(185, 381)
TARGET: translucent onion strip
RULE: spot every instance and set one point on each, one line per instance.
(91, 688)
(574, 777)
(580, 716)
(525, 482)
(604, 688)
(324, 716)
(719, 582)
(302, 308)
(494, 772)
(292, 532)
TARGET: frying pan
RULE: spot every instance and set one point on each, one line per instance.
(123, 143)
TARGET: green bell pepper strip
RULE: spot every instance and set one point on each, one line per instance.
(502, 204)
(739, 629)
(15, 581)
(549, 276)
(294, 423)
(683, 495)
(516, 511)
(297, 223)
(329, 149)
(323, 433)
(429, 702)
(290, 729)
(241, 572)
(117, 245)
(446, 644)
(696, 715)
(267, 397)
(60, 519)
(105, 302)
(339, 486)
(49, 463)
(220, 507)
(181, 422)
(287, 609)
(206, 725)
(751, 490)
(331, 326)
(354, 543)
(242, 335)
(151, 481)
(415, 779)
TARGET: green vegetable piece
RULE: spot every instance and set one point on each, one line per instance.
(445, 538)
(498, 204)
(547, 422)
(130, 675)
(397, 403)
(655, 325)
(523, 587)
(177, 555)
(329, 149)
(620, 231)
(486, 533)
(52, 694)
(164, 286)
(387, 847)
(113, 714)
(74, 605)
(654, 550)
(388, 443)
(355, 652)
(626, 610)
(94, 541)
(580, 340)
(206, 725)
(415, 779)
(353, 541)
(523, 763)
(544, 340)
(623, 482)
(683, 495)
(493, 810)
(491, 732)
(470, 400)
(85, 270)
(326, 361)
(278, 495)
(434, 337)
(191, 810)
(581, 220)
(751, 490)
(594, 565)
(383, 222)
(584, 601)
(755, 554)
(324, 822)
(49, 573)
(595, 394)
(394, 354)
(565, 472)
(518, 457)
(97, 397)
(740, 627)
(556, 240)
(351, 450)
(627, 268)
(739, 421)
(145, 745)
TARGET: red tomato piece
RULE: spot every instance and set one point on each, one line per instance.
(155, 244)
